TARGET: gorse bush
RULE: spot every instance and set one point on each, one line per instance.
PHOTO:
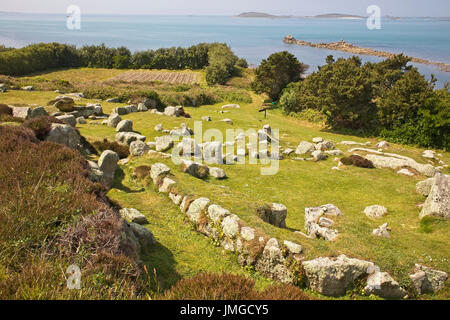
(210, 286)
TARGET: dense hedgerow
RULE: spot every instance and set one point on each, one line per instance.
(210, 286)
(52, 216)
(45, 56)
(122, 150)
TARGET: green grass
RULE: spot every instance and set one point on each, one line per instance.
(182, 253)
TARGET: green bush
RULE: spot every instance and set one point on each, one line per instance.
(221, 64)
(276, 72)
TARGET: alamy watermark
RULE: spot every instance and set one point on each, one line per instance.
(374, 19)
(73, 17)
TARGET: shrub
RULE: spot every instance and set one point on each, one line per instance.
(357, 161)
(53, 216)
(122, 150)
(276, 72)
(222, 64)
(41, 126)
(210, 286)
(4, 109)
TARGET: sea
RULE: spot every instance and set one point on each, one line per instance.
(252, 38)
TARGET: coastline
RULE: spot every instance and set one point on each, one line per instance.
(350, 48)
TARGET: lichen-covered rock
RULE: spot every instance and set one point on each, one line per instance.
(113, 120)
(293, 247)
(159, 127)
(133, 215)
(397, 164)
(382, 231)
(196, 208)
(125, 126)
(438, 201)
(217, 213)
(427, 280)
(138, 148)
(375, 211)
(80, 120)
(315, 228)
(141, 107)
(212, 152)
(166, 185)
(333, 276)
(64, 134)
(68, 119)
(305, 147)
(272, 263)
(128, 137)
(318, 155)
(38, 112)
(144, 236)
(383, 285)
(424, 187)
(163, 143)
(174, 111)
(176, 198)
(230, 226)
(188, 147)
(217, 173)
(247, 233)
(159, 170)
(108, 164)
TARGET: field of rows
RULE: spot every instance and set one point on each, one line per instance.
(149, 76)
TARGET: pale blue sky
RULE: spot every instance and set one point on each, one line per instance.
(230, 7)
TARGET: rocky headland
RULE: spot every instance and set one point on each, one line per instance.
(350, 48)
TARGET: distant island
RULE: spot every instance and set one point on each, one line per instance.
(260, 15)
(320, 16)
(350, 48)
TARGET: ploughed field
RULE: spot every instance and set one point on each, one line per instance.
(150, 76)
(297, 185)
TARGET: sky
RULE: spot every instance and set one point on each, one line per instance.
(402, 8)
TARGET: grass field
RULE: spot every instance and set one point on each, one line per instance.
(298, 184)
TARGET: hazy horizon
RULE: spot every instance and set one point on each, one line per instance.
(400, 8)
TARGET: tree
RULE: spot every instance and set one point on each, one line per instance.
(276, 72)
(222, 64)
(404, 100)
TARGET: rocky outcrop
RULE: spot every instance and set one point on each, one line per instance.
(195, 169)
(38, 112)
(333, 276)
(21, 112)
(426, 280)
(424, 187)
(107, 163)
(113, 120)
(163, 143)
(217, 173)
(133, 215)
(128, 137)
(272, 263)
(125, 126)
(438, 201)
(397, 164)
(383, 285)
(375, 211)
(305, 147)
(159, 171)
(64, 134)
(68, 119)
(382, 231)
(138, 148)
(316, 227)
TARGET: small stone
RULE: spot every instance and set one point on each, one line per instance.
(382, 231)
(293, 247)
(133, 215)
(375, 211)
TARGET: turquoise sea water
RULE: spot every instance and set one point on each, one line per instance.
(254, 39)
